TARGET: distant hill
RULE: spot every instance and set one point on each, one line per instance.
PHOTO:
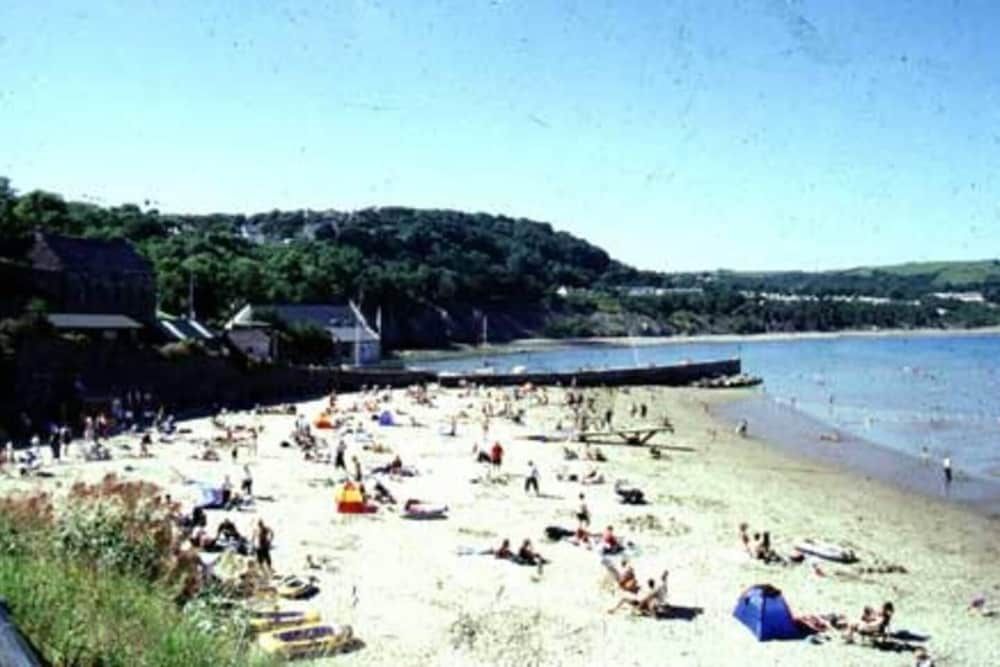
(436, 275)
(940, 275)
(900, 281)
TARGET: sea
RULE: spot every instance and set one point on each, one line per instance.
(888, 406)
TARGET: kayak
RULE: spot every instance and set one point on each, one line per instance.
(307, 641)
(269, 620)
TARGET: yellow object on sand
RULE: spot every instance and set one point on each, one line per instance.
(306, 641)
(276, 619)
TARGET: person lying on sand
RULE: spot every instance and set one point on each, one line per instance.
(629, 495)
(206, 454)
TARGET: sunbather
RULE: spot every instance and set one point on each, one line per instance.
(382, 494)
(745, 538)
(654, 602)
(527, 555)
(629, 495)
(627, 580)
(609, 542)
(873, 625)
(504, 550)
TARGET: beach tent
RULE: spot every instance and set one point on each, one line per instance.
(763, 609)
(350, 501)
(385, 419)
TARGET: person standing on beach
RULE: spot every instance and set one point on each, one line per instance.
(946, 468)
(583, 512)
(338, 461)
(263, 536)
(357, 468)
(496, 456)
(531, 481)
(246, 486)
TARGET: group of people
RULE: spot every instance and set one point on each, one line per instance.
(525, 555)
(651, 601)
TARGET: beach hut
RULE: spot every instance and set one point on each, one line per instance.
(764, 611)
(350, 501)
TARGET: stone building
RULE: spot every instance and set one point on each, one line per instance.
(88, 283)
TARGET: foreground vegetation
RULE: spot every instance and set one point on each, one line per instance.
(100, 582)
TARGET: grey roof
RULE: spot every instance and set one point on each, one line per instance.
(75, 253)
(85, 321)
(340, 321)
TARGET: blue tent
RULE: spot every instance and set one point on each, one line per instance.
(763, 609)
(385, 419)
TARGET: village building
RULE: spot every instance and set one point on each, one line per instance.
(354, 341)
(91, 285)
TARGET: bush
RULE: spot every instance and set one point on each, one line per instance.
(102, 582)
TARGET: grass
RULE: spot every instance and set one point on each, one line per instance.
(78, 611)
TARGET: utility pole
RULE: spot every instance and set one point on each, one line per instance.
(190, 295)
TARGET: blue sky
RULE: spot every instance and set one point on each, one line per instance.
(678, 135)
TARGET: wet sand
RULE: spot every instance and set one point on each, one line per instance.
(799, 434)
(414, 600)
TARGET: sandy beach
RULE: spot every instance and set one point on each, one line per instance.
(416, 593)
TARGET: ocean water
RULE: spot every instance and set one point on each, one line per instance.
(932, 396)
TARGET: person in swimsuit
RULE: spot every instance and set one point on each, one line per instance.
(528, 556)
(263, 536)
(627, 580)
(609, 543)
(504, 550)
(583, 513)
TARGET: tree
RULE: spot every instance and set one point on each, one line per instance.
(42, 210)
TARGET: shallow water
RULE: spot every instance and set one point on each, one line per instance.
(923, 396)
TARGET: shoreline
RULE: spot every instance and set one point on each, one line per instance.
(791, 431)
(527, 345)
